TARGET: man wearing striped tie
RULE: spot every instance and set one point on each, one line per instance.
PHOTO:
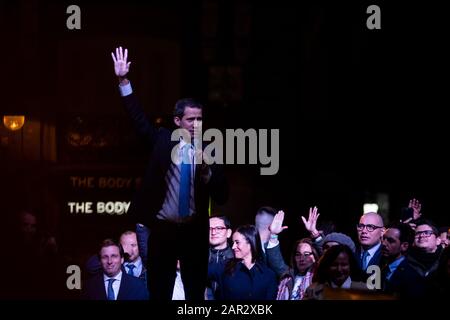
(174, 198)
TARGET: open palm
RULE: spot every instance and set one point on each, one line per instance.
(121, 66)
(310, 224)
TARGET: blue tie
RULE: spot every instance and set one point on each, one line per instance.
(185, 183)
(130, 269)
(364, 260)
(111, 295)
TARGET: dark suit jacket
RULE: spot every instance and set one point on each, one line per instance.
(131, 288)
(275, 260)
(375, 260)
(149, 199)
(405, 282)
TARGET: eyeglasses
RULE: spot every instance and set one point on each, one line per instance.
(369, 227)
(217, 229)
(425, 233)
(304, 254)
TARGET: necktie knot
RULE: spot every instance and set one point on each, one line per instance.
(131, 267)
(185, 156)
(364, 261)
(111, 295)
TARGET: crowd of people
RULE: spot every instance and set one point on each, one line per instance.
(403, 260)
(168, 255)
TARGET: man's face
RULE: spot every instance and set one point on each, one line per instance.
(425, 238)
(111, 260)
(218, 233)
(391, 245)
(367, 238)
(191, 121)
(28, 225)
(444, 239)
(130, 246)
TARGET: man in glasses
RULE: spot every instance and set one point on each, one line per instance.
(219, 233)
(424, 256)
(219, 248)
(370, 230)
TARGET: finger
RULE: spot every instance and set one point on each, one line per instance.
(126, 55)
(114, 58)
(303, 219)
(128, 65)
(117, 54)
(120, 53)
(285, 227)
(316, 215)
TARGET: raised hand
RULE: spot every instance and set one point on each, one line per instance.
(416, 206)
(277, 223)
(310, 224)
(121, 66)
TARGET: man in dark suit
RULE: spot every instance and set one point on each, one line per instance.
(174, 197)
(370, 229)
(112, 283)
(269, 224)
(398, 277)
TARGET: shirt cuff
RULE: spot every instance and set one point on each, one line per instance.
(273, 243)
(125, 90)
(318, 239)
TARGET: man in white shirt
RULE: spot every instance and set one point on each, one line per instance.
(112, 283)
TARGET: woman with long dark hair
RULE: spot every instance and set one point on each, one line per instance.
(244, 277)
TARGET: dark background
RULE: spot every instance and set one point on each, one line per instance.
(360, 112)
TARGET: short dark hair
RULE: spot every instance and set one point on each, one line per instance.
(267, 209)
(406, 232)
(110, 243)
(182, 104)
(262, 217)
(429, 223)
(225, 220)
(443, 229)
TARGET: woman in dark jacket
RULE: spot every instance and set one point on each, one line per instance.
(244, 278)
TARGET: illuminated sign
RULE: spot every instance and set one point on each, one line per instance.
(92, 182)
(109, 207)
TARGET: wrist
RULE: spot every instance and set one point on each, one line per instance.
(123, 81)
(274, 236)
(315, 234)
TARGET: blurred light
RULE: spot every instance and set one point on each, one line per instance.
(370, 207)
(14, 123)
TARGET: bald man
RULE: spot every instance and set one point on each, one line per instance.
(370, 231)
